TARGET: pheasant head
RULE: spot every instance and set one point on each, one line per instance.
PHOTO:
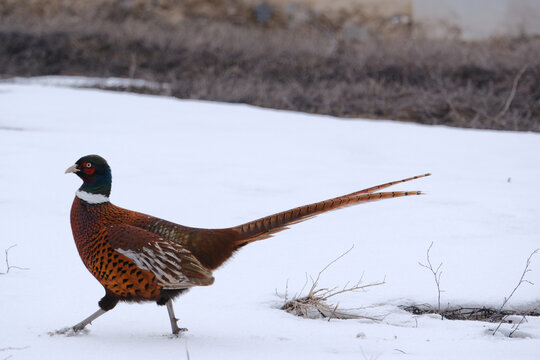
(96, 176)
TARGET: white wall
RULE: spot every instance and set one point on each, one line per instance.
(526, 16)
(478, 19)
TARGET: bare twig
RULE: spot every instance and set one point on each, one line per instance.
(326, 267)
(437, 277)
(14, 348)
(8, 266)
(523, 318)
(333, 312)
(9, 348)
(303, 286)
(512, 91)
(522, 280)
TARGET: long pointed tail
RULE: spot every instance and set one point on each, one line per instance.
(267, 226)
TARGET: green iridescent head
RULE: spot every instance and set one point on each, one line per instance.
(95, 174)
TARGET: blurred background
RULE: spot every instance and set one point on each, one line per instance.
(461, 63)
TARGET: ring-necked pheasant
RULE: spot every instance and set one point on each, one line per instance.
(137, 257)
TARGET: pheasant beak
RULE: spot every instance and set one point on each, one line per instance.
(72, 169)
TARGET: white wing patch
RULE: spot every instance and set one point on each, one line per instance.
(163, 262)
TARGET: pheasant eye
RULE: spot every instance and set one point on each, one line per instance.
(88, 168)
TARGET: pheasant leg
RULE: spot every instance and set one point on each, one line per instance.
(88, 320)
(174, 321)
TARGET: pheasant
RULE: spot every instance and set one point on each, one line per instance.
(137, 257)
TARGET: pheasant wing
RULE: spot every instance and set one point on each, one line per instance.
(174, 266)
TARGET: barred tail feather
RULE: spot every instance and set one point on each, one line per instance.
(265, 227)
(384, 186)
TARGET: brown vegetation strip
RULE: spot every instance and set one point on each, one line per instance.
(489, 85)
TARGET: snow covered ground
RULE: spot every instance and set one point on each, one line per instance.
(216, 165)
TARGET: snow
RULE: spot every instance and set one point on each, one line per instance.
(79, 81)
(215, 165)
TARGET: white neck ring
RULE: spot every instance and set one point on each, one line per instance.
(91, 198)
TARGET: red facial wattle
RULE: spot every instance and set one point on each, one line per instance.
(88, 168)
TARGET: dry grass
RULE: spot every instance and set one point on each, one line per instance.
(316, 303)
(312, 68)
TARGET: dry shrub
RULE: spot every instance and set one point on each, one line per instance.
(316, 304)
